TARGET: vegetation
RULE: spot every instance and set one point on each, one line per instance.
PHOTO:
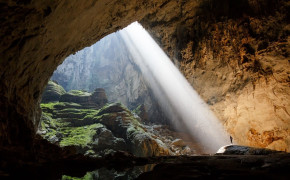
(137, 110)
(56, 88)
(88, 176)
(52, 92)
(81, 126)
(79, 136)
(79, 93)
(50, 105)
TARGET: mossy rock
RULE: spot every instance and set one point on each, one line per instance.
(88, 176)
(85, 99)
(113, 108)
(65, 105)
(52, 92)
(79, 93)
(81, 129)
(79, 136)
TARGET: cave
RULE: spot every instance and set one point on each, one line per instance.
(234, 53)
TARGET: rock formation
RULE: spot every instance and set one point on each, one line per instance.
(236, 55)
(97, 99)
(86, 124)
(52, 92)
(245, 150)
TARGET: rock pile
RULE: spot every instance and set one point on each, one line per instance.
(84, 122)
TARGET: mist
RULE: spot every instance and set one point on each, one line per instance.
(176, 96)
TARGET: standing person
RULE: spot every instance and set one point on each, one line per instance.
(231, 138)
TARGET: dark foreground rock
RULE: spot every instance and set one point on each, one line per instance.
(245, 150)
(125, 166)
(274, 166)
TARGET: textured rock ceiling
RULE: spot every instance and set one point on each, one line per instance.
(217, 44)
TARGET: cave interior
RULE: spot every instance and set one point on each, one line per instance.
(234, 53)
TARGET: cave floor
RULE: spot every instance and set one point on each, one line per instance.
(275, 166)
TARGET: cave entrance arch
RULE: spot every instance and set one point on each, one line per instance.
(74, 110)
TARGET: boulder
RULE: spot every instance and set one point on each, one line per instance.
(52, 92)
(99, 132)
(97, 99)
(112, 108)
(245, 150)
(178, 143)
(106, 140)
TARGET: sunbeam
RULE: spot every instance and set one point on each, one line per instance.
(175, 94)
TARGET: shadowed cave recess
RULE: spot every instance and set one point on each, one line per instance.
(235, 54)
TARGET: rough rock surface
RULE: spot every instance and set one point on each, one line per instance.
(221, 167)
(52, 92)
(97, 99)
(85, 127)
(236, 56)
(245, 150)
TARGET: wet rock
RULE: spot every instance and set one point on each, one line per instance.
(245, 150)
(53, 139)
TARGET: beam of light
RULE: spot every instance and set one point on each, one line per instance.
(176, 96)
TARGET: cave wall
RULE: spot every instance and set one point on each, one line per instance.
(234, 53)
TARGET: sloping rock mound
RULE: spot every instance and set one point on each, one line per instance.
(52, 92)
(77, 122)
(97, 99)
(245, 150)
(112, 108)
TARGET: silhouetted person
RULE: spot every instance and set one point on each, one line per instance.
(231, 138)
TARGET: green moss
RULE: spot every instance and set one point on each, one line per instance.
(52, 92)
(88, 176)
(56, 87)
(133, 130)
(80, 136)
(79, 93)
(92, 116)
(137, 110)
(51, 105)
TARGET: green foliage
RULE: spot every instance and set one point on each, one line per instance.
(56, 88)
(88, 176)
(137, 110)
(79, 93)
(75, 126)
(50, 105)
(80, 136)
